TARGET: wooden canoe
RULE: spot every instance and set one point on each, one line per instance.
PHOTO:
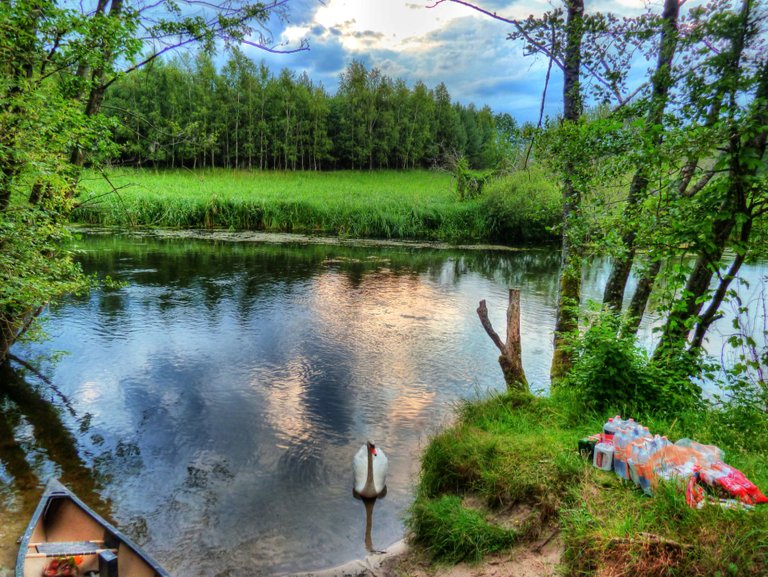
(64, 532)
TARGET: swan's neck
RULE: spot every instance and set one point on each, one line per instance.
(369, 485)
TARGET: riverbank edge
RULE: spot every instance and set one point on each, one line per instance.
(539, 558)
(259, 237)
(373, 564)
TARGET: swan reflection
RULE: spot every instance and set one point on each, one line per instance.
(370, 467)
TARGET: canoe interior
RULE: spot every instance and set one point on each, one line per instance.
(66, 526)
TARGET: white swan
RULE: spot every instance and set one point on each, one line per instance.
(370, 470)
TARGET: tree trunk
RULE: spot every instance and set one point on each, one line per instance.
(510, 360)
(733, 210)
(98, 87)
(640, 298)
(661, 83)
(570, 262)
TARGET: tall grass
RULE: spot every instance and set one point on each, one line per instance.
(453, 533)
(383, 204)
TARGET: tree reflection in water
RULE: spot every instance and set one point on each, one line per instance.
(35, 445)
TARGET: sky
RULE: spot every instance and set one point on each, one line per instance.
(406, 39)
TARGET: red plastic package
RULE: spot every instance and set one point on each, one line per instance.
(737, 484)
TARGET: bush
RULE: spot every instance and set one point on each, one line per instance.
(611, 372)
(522, 207)
(470, 183)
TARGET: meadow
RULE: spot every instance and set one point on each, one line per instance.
(408, 205)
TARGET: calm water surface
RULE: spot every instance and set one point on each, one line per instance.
(212, 406)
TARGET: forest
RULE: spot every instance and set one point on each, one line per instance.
(245, 116)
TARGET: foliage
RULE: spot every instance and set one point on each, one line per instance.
(245, 116)
(612, 372)
(470, 183)
(522, 207)
(689, 144)
(34, 270)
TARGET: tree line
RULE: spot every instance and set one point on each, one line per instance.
(187, 113)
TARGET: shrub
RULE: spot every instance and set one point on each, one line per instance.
(470, 183)
(612, 372)
(521, 207)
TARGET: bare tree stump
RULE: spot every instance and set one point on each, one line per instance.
(510, 359)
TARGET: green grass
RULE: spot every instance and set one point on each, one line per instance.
(454, 533)
(518, 451)
(416, 205)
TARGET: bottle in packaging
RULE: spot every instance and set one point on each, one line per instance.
(620, 442)
(603, 456)
(609, 430)
(633, 460)
(643, 468)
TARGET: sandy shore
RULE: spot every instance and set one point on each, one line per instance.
(375, 564)
(538, 559)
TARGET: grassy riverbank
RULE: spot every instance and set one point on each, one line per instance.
(513, 459)
(415, 205)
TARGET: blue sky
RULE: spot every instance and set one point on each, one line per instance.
(405, 39)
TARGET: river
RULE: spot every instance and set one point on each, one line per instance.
(211, 406)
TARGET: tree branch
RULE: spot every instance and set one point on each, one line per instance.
(701, 183)
(482, 312)
(478, 9)
(516, 23)
(214, 27)
(541, 107)
(711, 314)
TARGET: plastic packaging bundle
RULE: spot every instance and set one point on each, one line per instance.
(707, 453)
(734, 482)
(673, 462)
(630, 450)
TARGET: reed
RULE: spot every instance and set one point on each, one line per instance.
(417, 205)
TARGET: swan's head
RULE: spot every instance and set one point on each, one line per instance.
(371, 447)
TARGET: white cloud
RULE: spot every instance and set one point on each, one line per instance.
(397, 23)
(449, 43)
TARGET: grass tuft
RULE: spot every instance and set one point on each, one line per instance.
(452, 533)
